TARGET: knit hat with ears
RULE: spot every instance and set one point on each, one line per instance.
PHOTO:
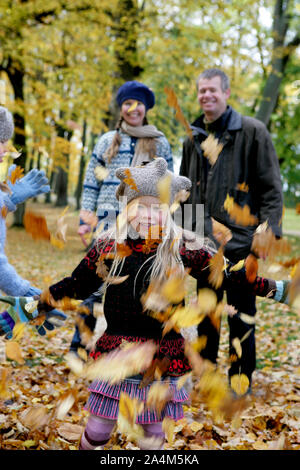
(142, 180)
(6, 124)
(136, 91)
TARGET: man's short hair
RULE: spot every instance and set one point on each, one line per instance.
(211, 73)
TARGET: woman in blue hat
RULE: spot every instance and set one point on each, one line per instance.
(133, 142)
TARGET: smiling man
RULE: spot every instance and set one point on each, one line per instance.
(246, 169)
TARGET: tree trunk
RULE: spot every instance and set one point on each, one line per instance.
(280, 57)
(126, 30)
(16, 73)
(61, 182)
(81, 169)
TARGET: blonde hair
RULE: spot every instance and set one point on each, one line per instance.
(167, 256)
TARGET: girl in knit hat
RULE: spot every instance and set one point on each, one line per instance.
(126, 253)
(132, 142)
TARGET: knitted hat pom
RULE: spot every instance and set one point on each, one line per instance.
(6, 125)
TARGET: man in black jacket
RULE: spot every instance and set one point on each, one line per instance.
(246, 169)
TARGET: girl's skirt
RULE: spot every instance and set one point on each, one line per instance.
(104, 400)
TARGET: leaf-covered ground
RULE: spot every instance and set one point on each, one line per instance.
(31, 392)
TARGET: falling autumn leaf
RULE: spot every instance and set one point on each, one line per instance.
(211, 148)
(129, 180)
(237, 346)
(216, 267)
(173, 102)
(132, 107)
(251, 267)
(16, 174)
(36, 225)
(240, 215)
(164, 189)
(158, 396)
(101, 172)
(220, 232)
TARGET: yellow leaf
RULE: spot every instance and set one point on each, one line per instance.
(29, 443)
(241, 215)
(238, 265)
(60, 244)
(207, 300)
(181, 381)
(4, 374)
(195, 426)
(133, 106)
(129, 408)
(101, 172)
(174, 290)
(168, 426)
(119, 364)
(237, 346)
(239, 383)
(159, 394)
(200, 343)
(13, 352)
(164, 189)
(211, 149)
(18, 331)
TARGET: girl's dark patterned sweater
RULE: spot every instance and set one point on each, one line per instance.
(123, 309)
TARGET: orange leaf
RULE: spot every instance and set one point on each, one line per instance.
(241, 215)
(129, 180)
(16, 174)
(13, 351)
(216, 267)
(173, 102)
(211, 149)
(36, 225)
(251, 266)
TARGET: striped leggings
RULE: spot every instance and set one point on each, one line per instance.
(98, 431)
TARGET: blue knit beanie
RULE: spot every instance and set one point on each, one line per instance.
(136, 91)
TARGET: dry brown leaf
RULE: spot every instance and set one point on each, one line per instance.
(70, 432)
(35, 417)
(4, 376)
(211, 148)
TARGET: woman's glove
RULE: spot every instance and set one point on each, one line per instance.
(32, 184)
